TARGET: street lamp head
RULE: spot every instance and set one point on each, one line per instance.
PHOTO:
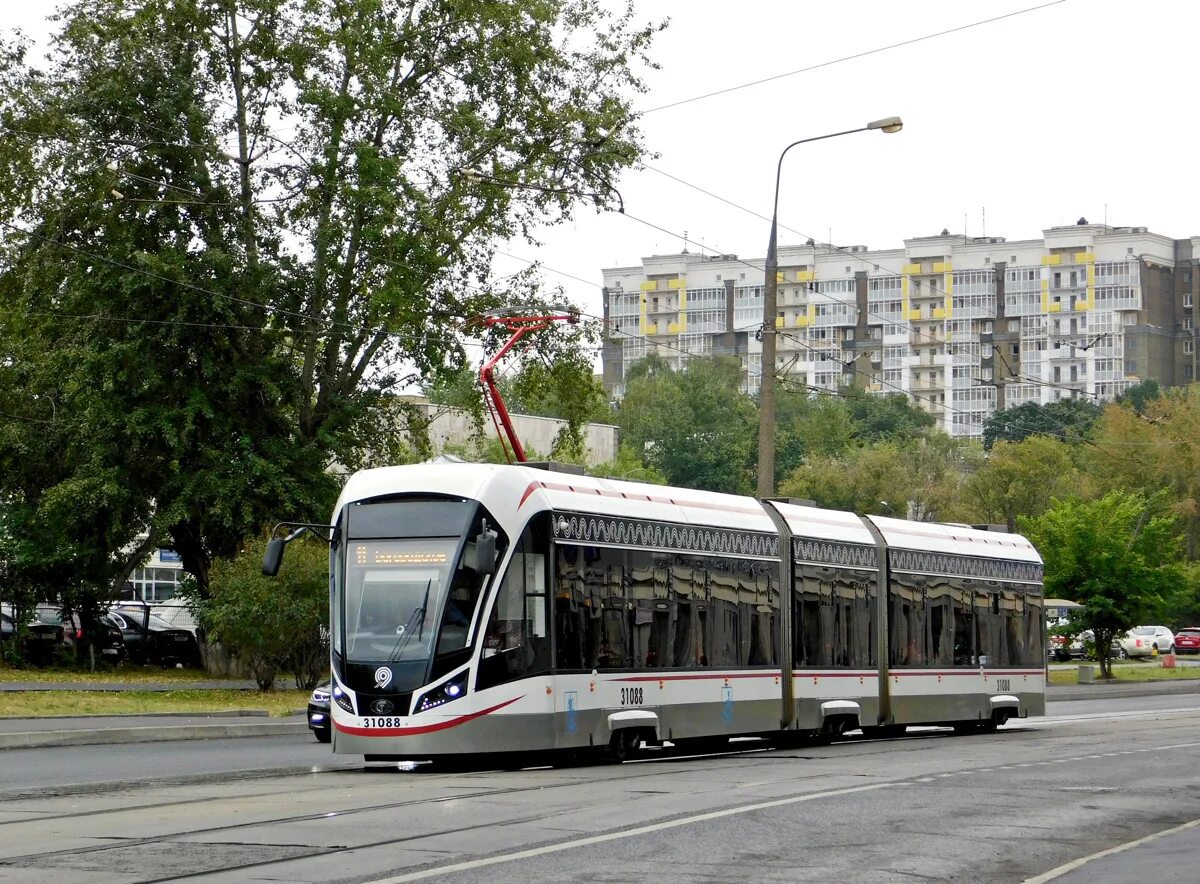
(887, 124)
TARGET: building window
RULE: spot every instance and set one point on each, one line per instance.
(1187, 323)
(1014, 325)
(1015, 350)
(1187, 347)
(1187, 299)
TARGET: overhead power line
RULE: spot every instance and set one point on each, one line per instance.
(852, 57)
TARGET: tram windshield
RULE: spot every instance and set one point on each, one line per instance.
(393, 598)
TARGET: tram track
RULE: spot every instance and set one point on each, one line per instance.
(632, 773)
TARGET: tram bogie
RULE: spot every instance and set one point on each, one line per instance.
(489, 610)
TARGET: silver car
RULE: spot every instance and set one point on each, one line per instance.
(1145, 641)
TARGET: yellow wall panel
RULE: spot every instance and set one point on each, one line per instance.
(1084, 257)
(779, 322)
(650, 285)
(672, 328)
(676, 283)
(1049, 260)
(911, 268)
(942, 266)
(805, 275)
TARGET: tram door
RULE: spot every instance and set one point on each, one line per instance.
(516, 643)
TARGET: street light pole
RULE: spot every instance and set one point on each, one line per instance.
(766, 406)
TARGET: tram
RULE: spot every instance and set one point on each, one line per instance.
(479, 608)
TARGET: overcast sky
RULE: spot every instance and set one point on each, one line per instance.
(1079, 108)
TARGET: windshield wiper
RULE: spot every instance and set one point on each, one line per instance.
(406, 630)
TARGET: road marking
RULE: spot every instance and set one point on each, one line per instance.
(1075, 864)
(629, 833)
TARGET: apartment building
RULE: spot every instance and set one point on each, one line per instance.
(964, 326)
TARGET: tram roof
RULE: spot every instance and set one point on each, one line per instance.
(509, 491)
(957, 539)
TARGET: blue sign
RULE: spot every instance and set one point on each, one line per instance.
(169, 555)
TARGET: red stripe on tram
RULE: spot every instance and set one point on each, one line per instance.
(421, 729)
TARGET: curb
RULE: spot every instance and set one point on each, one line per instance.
(118, 735)
(1099, 690)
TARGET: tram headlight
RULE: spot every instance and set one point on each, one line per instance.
(342, 699)
(444, 693)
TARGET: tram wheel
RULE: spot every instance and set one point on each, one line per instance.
(624, 745)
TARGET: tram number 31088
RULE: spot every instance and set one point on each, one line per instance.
(632, 696)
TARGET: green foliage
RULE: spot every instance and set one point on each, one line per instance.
(917, 479)
(1151, 451)
(628, 466)
(1140, 395)
(238, 218)
(275, 624)
(1068, 419)
(1020, 479)
(1117, 556)
(695, 427)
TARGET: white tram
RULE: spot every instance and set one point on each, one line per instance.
(479, 609)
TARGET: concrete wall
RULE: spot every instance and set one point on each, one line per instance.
(454, 427)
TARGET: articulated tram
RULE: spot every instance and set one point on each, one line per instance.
(480, 608)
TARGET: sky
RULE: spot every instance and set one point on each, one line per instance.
(1079, 108)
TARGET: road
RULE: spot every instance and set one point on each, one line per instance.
(998, 808)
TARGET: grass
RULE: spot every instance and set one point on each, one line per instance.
(1128, 672)
(31, 704)
(184, 695)
(124, 674)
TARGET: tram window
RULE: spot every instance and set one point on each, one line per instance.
(991, 640)
(515, 641)
(964, 629)
(612, 652)
(1034, 653)
(906, 622)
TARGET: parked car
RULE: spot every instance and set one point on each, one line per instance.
(318, 713)
(108, 643)
(1187, 640)
(1078, 648)
(42, 640)
(1144, 641)
(151, 640)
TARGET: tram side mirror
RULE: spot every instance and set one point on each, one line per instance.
(485, 553)
(273, 557)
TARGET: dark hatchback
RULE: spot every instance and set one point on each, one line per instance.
(318, 713)
(42, 640)
(151, 640)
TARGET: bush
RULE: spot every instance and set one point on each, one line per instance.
(272, 624)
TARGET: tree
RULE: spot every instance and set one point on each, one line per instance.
(1020, 479)
(211, 313)
(1154, 451)
(1068, 419)
(695, 427)
(882, 418)
(917, 479)
(271, 624)
(1116, 556)
(874, 479)
(629, 467)
(1140, 395)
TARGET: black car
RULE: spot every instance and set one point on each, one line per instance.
(151, 640)
(318, 713)
(106, 641)
(42, 640)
